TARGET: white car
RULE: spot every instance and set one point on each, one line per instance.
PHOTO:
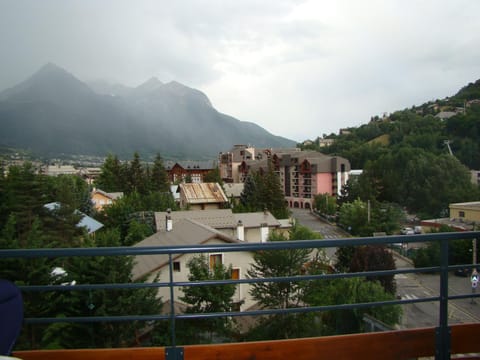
(407, 231)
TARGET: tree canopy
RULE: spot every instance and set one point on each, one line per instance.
(207, 299)
(262, 190)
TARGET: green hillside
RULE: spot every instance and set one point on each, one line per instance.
(406, 156)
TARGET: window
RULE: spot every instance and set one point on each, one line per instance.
(461, 214)
(215, 260)
(176, 266)
(236, 306)
(235, 274)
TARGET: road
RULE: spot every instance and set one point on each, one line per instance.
(410, 286)
(328, 231)
(314, 223)
(425, 314)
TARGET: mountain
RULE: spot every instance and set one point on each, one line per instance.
(53, 112)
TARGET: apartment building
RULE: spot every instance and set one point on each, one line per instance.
(229, 162)
(303, 174)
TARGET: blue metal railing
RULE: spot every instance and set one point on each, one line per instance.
(442, 333)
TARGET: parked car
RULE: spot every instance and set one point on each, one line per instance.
(417, 229)
(407, 231)
(463, 272)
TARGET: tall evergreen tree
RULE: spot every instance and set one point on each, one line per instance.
(262, 190)
(159, 177)
(113, 302)
(35, 271)
(249, 194)
(24, 195)
(136, 177)
(274, 196)
(112, 177)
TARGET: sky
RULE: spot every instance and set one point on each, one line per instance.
(299, 69)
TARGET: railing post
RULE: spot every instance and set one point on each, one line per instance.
(442, 333)
(172, 352)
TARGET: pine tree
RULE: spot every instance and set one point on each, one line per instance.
(249, 195)
(262, 190)
(24, 194)
(111, 178)
(159, 177)
(136, 177)
(275, 198)
(114, 302)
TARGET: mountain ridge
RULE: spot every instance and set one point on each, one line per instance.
(54, 112)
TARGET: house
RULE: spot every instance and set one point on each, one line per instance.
(102, 198)
(196, 170)
(444, 115)
(56, 170)
(463, 217)
(250, 227)
(466, 212)
(90, 224)
(201, 196)
(325, 142)
(90, 174)
(192, 233)
(475, 177)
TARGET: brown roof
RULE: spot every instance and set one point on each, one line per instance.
(113, 196)
(203, 193)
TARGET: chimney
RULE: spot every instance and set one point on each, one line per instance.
(265, 211)
(240, 231)
(264, 232)
(168, 221)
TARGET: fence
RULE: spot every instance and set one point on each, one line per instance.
(442, 331)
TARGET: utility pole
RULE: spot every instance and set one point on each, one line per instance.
(447, 142)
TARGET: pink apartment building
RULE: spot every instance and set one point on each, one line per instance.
(303, 174)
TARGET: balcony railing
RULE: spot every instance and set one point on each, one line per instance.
(441, 341)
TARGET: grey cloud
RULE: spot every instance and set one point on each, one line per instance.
(376, 60)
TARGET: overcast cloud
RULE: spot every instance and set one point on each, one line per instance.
(297, 68)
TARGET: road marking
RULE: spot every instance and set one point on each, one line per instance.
(400, 276)
(409, 297)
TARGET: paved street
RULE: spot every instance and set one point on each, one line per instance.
(328, 231)
(410, 286)
(415, 286)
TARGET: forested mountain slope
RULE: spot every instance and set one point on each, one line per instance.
(406, 156)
